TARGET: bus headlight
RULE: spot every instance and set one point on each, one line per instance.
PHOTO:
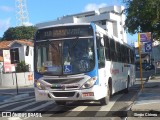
(89, 83)
(40, 85)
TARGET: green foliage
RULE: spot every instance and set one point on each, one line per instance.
(21, 32)
(22, 67)
(143, 16)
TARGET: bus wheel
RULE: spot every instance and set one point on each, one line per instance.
(105, 100)
(127, 89)
(60, 102)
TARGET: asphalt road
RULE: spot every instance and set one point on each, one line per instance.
(73, 110)
(118, 104)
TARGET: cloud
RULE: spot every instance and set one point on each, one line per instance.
(93, 6)
(4, 24)
(27, 24)
(6, 8)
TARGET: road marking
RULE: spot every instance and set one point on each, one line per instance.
(23, 106)
(9, 100)
(104, 109)
(41, 106)
(50, 112)
(8, 104)
(14, 118)
(76, 111)
(71, 113)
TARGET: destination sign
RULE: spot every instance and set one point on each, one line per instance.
(62, 32)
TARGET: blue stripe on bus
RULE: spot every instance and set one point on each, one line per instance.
(37, 76)
(94, 73)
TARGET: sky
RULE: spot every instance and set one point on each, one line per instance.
(47, 10)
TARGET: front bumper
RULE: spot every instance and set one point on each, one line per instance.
(94, 93)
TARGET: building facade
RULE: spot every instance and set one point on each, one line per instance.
(111, 18)
(21, 46)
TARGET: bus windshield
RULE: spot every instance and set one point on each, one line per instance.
(65, 56)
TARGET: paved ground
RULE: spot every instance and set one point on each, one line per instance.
(148, 101)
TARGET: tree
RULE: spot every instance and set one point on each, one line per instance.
(21, 32)
(143, 16)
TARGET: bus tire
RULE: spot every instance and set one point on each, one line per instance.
(105, 100)
(60, 102)
(127, 89)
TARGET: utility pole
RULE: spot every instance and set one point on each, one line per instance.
(22, 16)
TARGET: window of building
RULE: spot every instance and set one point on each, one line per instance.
(14, 53)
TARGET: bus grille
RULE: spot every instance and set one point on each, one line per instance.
(63, 94)
(63, 81)
(64, 87)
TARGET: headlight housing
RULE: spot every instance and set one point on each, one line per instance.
(39, 85)
(89, 83)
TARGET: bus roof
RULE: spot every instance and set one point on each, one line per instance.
(42, 26)
(98, 29)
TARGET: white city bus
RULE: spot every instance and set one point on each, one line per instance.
(80, 62)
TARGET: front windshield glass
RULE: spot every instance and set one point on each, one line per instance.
(71, 56)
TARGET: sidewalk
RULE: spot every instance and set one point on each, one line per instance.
(147, 103)
(14, 87)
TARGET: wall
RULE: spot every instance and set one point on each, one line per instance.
(22, 54)
(29, 58)
(23, 79)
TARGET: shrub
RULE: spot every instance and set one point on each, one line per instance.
(22, 67)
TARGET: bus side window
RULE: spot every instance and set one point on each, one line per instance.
(132, 57)
(107, 48)
(100, 52)
(112, 50)
(118, 50)
(123, 53)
